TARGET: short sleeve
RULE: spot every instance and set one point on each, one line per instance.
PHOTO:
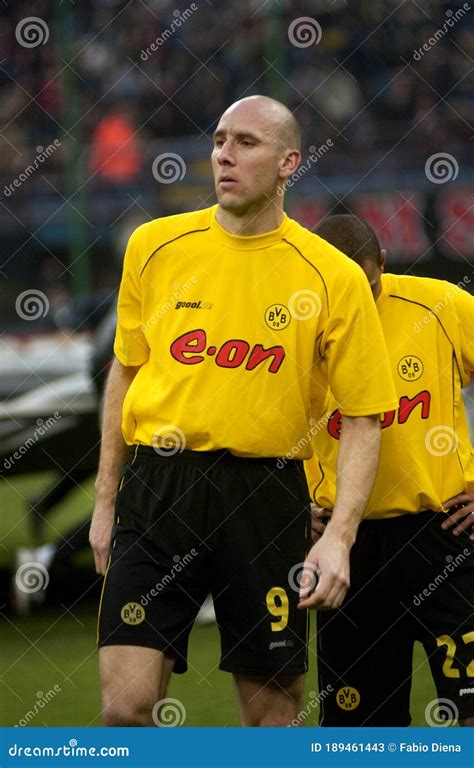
(130, 344)
(353, 346)
(464, 307)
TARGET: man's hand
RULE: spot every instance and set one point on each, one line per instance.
(329, 559)
(319, 520)
(462, 518)
(100, 533)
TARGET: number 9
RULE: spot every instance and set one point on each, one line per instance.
(278, 605)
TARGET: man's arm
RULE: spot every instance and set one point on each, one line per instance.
(113, 452)
(357, 460)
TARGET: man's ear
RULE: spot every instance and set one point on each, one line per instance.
(382, 257)
(289, 164)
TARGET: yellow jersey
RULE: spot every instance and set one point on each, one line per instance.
(426, 454)
(238, 338)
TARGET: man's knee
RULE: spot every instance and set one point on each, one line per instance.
(269, 703)
(131, 681)
(119, 714)
(273, 720)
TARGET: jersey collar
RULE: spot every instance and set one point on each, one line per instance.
(251, 242)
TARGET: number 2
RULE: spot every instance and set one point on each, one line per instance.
(448, 669)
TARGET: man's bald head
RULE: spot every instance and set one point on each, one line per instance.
(275, 116)
(255, 152)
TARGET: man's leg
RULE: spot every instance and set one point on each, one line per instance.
(133, 680)
(365, 648)
(442, 607)
(154, 586)
(262, 524)
(269, 702)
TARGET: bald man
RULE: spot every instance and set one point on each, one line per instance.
(232, 323)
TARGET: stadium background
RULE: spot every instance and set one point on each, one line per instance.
(106, 112)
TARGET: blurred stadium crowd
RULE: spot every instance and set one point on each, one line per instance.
(222, 50)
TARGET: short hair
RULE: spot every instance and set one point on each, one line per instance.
(286, 128)
(351, 235)
(290, 134)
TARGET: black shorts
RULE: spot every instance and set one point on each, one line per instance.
(196, 523)
(410, 580)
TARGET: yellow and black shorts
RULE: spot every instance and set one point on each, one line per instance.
(193, 523)
(410, 580)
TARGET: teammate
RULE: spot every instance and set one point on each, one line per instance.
(231, 322)
(411, 579)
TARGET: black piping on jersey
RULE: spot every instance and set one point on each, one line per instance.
(418, 303)
(317, 486)
(311, 265)
(317, 343)
(454, 357)
(453, 396)
(173, 239)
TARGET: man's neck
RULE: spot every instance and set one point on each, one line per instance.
(251, 222)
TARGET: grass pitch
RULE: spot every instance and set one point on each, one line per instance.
(49, 661)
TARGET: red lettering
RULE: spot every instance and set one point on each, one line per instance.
(408, 405)
(259, 354)
(184, 348)
(232, 353)
(405, 408)
(388, 419)
(335, 424)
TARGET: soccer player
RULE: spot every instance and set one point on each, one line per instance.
(231, 322)
(411, 578)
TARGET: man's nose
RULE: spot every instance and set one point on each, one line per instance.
(226, 155)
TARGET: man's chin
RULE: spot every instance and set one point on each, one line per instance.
(229, 201)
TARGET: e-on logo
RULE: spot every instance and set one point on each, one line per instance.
(410, 368)
(132, 613)
(348, 698)
(277, 317)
